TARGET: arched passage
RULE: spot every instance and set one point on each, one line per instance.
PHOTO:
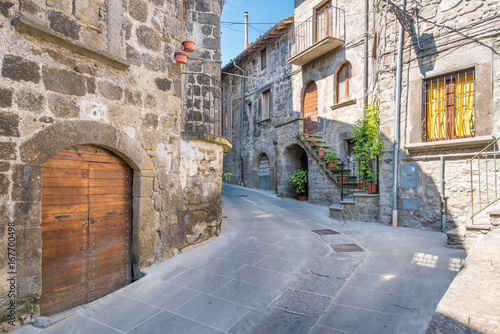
(295, 157)
(310, 108)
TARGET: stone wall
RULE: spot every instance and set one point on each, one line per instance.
(100, 72)
(453, 35)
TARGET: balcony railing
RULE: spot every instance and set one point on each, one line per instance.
(207, 106)
(321, 33)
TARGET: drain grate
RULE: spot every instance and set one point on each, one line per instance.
(241, 195)
(325, 232)
(346, 248)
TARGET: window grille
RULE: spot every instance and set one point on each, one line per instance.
(449, 107)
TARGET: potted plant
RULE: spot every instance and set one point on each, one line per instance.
(368, 145)
(331, 158)
(298, 183)
(321, 150)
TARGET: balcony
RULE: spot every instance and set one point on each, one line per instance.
(207, 109)
(318, 35)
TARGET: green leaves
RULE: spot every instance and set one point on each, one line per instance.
(368, 144)
(298, 181)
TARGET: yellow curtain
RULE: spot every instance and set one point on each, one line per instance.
(436, 110)
(464, 105)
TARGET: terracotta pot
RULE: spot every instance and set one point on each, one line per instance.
(342, 179)
(321, 153)
(311, 142)
(360, 186)
(306, 136)
(331, 164)
(188, 46)
(302, 198)
(371, 188)
(181, 57)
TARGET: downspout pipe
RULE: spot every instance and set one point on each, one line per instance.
(396, 124)
(241, 119)
(443, 198)
(365, 65)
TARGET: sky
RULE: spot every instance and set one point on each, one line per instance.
(267, 12)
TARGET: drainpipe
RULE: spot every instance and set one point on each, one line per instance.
(396, 124)
(365, 66)
(443, 198)
(241, 119)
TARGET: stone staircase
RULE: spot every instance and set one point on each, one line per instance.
(466, 236)
(356, 204)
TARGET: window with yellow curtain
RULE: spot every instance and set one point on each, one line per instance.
(450, 106)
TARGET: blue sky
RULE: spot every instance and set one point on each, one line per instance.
(259, 11)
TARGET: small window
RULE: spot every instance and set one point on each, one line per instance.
(343, 76)
(450, 106)
(265, 104)
(263, 58)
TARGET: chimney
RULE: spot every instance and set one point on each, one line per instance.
(246, 30)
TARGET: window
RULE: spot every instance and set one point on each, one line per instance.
(265, 104)
(449, 106)
(263, 59)
(323, 20)
(343, 76)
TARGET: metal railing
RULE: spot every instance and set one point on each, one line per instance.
(326, 22)
(483, 175)
(350, 180)
(207, 105)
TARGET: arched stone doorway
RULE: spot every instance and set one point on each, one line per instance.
(310, 108)
(27, 198)
(86, 227)
(295, 157)
(264, 173)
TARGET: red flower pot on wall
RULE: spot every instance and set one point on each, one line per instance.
(181, 57)
(188, 46)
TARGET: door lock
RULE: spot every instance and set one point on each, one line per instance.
(92, 221)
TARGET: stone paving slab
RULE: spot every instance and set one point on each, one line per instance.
(268, 273)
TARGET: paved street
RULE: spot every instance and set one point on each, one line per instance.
(269, 272)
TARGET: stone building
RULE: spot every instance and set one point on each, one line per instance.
(99, 177)
(449, 102)
(451, 54)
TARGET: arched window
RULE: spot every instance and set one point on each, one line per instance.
(343, 76)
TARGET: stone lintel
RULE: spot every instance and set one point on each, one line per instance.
(480, 141)
(343, 104)
(33, 28)
(224, 142)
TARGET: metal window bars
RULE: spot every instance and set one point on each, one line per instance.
(328, 21)
(484, 179)
(449, 107)
(207, 105)
(350, 178)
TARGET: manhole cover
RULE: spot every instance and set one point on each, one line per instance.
(325, 232)
(241, 195)
(347, 248)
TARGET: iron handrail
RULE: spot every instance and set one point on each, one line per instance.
(495, 198)
(207, 105)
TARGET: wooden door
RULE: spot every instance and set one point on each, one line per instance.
(264, 173)
(86, 227)
(311, 108)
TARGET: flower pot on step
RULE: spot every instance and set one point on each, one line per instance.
(342, 179)
(321, 153)
(371, 188)
(331, 164)
(302, 198)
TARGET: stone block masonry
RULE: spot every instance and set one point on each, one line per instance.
(98, 72)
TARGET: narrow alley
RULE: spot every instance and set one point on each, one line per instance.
(281, 266)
